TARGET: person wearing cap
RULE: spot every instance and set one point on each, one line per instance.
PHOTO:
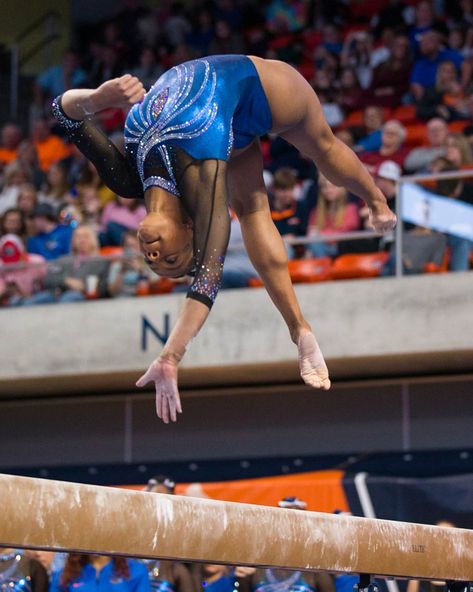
(161, 484)
(52, 240)
(21, 274)
(393, 136)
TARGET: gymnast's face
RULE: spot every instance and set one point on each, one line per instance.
(166, 243)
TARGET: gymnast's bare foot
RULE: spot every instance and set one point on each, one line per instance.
(312, 365)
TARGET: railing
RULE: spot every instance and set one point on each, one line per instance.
(50, 21)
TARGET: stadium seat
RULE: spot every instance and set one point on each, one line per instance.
(406, 114)
(363, 265)
(305, 271)
(442, 268)
(458, 126)
(162, 286)
(355, 118)
(111, 251)
(416, 135)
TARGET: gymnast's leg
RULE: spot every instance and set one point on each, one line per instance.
(298, 118)
(249, 199)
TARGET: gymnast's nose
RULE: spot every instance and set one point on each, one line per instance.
(152, 255)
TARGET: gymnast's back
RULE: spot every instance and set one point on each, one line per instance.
(204, 107)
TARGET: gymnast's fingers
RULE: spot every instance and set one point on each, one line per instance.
(143, 380)
(159, 400)
(165, 407)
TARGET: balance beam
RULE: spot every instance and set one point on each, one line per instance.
(70, 517)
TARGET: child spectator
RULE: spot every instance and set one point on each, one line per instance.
(333, 214)
(19, 573)
(21, 274)
(118, 216)
(51, 240)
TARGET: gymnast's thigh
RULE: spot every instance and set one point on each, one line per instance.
(245, 184)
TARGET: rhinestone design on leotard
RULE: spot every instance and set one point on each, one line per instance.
(65, 121)
(153, 124)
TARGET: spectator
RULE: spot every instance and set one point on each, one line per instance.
(357, 53)
(83, 274)
(109, 67)
(420, 158)
(390, 82)
(373, 119)
(118, 216)
(392, 139)
(203, 31)
(177, 26)
(350, 97)
(10, 138)
(87, 176)
(54, 81)
(442, 99)
(226, 40)
(424, 23)
(26, 202)
(333, 214)
(28, 158)
(289, 214)
(19, 573)
(161, 484)
(21, 274)
(56, 190)
(420, 246)
(92, 571)
(13, 221)
(50, 240)
(458, 151)
(331, 39)
(391, 15)
(149, 69)
(284, 17)
(127, 274)
(14, 176)
(49, 147)
(460, 248)
(424, 73)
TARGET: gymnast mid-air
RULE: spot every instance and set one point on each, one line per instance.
(192, 151)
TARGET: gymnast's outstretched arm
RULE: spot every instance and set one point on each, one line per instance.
(268, 254)
(73, 111)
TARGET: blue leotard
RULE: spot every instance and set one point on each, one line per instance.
(206, 107)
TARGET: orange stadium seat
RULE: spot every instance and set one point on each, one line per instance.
(111, 251)
(405, 114)
(365, 265)
(416, 135)
(355, 118)
(458, 126)
(305, 271)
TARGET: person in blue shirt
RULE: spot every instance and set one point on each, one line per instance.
(99, 573)
(52, 240)
(424, 73)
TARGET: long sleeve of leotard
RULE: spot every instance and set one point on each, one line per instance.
(204, 193)
(116, 170)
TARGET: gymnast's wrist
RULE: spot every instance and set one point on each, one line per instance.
(171, 357)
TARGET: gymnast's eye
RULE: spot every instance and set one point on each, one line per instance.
(170, 260)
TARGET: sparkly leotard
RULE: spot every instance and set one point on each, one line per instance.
(176, 139)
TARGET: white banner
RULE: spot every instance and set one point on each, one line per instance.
(444, 214)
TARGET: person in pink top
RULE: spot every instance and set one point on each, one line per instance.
(118, 216)
(333, 214)
(21, 273)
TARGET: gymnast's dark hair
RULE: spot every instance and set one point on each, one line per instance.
(76, 562)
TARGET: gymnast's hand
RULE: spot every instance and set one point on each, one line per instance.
(382, 219)
(312, 365)
(122, 93)
(163, 372)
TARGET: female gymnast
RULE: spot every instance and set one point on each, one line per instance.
(192, 150)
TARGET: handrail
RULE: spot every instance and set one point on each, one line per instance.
(36, 23)
(40, 45)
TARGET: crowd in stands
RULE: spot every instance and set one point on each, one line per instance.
(394, 79)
